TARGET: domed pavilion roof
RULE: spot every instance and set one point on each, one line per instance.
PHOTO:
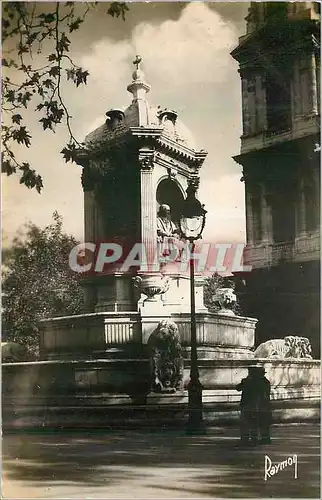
(140, 114)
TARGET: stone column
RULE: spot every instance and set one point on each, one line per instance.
(252, 105)
(261, 103)
(249, 214)
(301, 215)
(296, 91)
(148, 207)
(245, 103)
(89, 215)
(88, 185)
(314, 86)
(266, 216)
(90, 235)
(317, 184)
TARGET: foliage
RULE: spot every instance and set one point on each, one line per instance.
(43, 31)
(38, 282)
(212, 285)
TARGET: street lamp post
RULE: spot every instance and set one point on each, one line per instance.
(192, 223)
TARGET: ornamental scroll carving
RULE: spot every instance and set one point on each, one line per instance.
(166, 360)
(146, 162)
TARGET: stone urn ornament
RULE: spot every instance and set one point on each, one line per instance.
(152, 286)
(226, 299)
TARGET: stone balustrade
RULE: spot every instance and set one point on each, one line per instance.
(305, 248)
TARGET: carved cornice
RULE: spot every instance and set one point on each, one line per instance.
(288, 37)
(146, 132)
(175, 165)
(180, 150)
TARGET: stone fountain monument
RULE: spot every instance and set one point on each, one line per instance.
(128, 355)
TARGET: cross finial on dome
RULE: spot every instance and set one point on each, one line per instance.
(137, 61)
(138, 87)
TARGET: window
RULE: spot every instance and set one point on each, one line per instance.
(278, 102)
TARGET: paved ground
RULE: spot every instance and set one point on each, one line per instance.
(160, 464)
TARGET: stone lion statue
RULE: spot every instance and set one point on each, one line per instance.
(166, 361)
(226, 299)
(288, 347)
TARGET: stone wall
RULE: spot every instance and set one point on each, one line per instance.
(114, 392)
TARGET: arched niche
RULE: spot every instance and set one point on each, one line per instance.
(169, 193)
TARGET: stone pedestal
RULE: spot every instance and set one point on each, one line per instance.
(109, 293)
(177, 298)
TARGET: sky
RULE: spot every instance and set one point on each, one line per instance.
(186, 59)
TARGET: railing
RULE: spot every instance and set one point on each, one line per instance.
(302, 249)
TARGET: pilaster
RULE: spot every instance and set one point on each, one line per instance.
(89, 216)
(249, 214)
(313, 85)
(266, 216)
(148, 206)
(301, 211)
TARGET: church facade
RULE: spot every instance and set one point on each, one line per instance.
(279, 65)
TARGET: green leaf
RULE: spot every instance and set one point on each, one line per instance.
(118, 9)
(75, 24)
(16, 118)
(24, 98)
(21, 136)
(10, 96)
(63, 44)
(54, 71)
(47, 123)
(48, 18)
(48, 83)
(81, 77)
(70, 73)
(69, 153)
(8, 167)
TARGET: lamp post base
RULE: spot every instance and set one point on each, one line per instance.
(195, 424)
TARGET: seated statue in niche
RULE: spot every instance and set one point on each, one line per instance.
(168, 234)
(165, 227)
(166, 361)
